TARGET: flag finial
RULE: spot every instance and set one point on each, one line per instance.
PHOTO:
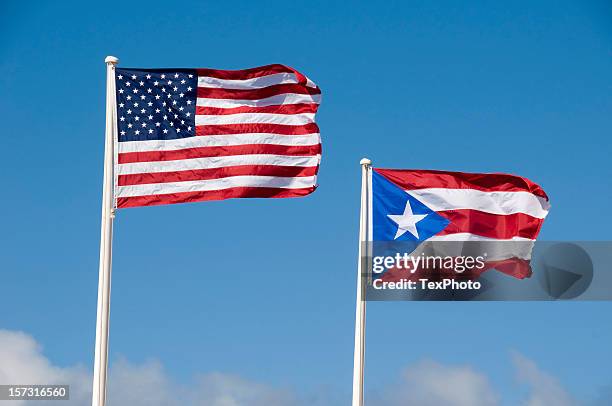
(111, 59)
(365, 161)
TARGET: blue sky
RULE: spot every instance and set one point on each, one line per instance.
(264, 289)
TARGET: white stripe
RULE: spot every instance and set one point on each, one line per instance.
(473, 245)
(440, 199)
(310, 83)
(286, 98)
(218, 141)
(472, 237)
(252, 118)
(216, 184)
(253, 83)
(217, 162)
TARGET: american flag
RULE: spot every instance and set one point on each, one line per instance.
(187, 135)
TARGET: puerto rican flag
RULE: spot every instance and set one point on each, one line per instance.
(425, 206)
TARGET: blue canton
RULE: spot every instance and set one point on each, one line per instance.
(156, 104)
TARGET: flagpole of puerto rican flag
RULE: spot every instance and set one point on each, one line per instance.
(106, 240)
(360, 306)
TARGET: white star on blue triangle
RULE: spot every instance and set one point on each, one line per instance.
(398, 216)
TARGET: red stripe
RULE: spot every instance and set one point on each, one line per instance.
(243, 74)
(255, 94)
(257, 128)
(188, 197)
(277, 109)
(491, 225)
(216, 173)
(488, 182)
(516, 267)
(204, 152)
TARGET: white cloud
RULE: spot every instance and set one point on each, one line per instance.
(227, 390)
(22, 362)
(429, 383)
(544, 389)
(147, 384)
(426, 383)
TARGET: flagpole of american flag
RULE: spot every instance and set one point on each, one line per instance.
(106, 240)
(360, 308)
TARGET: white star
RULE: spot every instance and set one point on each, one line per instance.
(407, 221)
(157, 97)
(188, 101)
(165, 131)
(141, 83)
(127, 83)
(155, 83)
(121, 104)
(150, 131)
(137, 132)
(122, 118)
(176, 75)
(122, 132)
(157, 124)
(121, 91)
(120, 77)
(183, 81)
(148, 76)
(189, 89)
(190, 76)
(133, 77)
(163, 76)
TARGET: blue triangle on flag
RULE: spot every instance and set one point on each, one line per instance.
(390, 199)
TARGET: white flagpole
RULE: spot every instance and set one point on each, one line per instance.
(106, 241)
(360, 310)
